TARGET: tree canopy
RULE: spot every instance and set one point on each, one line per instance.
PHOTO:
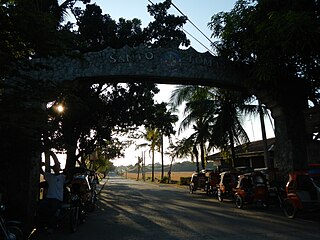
(93, 112)
(277, 43)
(278, 40)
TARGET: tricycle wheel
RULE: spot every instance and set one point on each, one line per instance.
(289, 209)
(238, 201)
(190, 188)
(16, 231)
(74, 218)
(208, 190)
(220, 198)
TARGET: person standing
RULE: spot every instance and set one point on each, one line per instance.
(54, 195)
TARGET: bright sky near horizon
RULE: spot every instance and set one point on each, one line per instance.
(199, 14)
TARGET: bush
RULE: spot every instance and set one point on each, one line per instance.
(164, 179)
(185, 180)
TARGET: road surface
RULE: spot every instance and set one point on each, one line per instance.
(131, 210)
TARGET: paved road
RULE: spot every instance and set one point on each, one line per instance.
(131, 210)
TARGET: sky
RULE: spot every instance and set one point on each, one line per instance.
(199, 13)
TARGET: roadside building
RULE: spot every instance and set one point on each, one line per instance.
(247, 155)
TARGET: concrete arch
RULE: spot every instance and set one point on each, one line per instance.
(177, 66)
(160, 65)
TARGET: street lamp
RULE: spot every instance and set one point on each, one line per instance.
(59, 108)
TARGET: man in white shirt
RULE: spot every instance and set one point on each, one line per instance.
(54, 196)
(55, 183)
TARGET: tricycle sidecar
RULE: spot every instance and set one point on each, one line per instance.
(199, 181)
(213, 182)
(227, 184)
(301, 194)
(251, 189)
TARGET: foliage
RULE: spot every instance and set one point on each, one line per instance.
(185, 181)
(166, 29)
(278, 40)
(215, 116)
(93, 113)
(99, 160)
(96, 31)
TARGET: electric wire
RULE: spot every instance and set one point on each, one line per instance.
(199, 42)
(212, 43)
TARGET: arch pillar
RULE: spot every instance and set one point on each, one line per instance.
(288, 111)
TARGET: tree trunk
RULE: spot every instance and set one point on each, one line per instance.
(196, 154)
(264, 137)
(152, 174)
(162, 163)
(291, 142)
(138, 171)
(202, 153)
(20, 165)
(71, 159)
(233, 153)
(170, 170)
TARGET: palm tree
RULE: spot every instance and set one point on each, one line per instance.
(198, 113)
(228, 130)
(184, 148)
(153, 135)
(216, 116)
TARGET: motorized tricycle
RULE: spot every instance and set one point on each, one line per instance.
(227, 185)
(213, 182)
(302, 193)
(199, 181)
(251, 189)
(84, 183)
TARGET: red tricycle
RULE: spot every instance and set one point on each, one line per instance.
(227, 184)
(301, 193)
(252, 188)
(213, 182)
(198, 181)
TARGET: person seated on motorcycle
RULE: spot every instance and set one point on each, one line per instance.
(54, 197)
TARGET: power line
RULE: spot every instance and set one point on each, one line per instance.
(192, 23)
(199, 42)
(194, 26)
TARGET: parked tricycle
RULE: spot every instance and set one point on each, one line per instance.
(199, 181)
(251, 189)
(227, 185)
(302, 194)
(213, 182)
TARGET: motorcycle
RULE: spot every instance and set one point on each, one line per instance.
(9, 230)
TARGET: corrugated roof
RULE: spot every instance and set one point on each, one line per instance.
(251, 149)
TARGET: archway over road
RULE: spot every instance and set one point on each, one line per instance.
(160, 65)
(176, 66)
